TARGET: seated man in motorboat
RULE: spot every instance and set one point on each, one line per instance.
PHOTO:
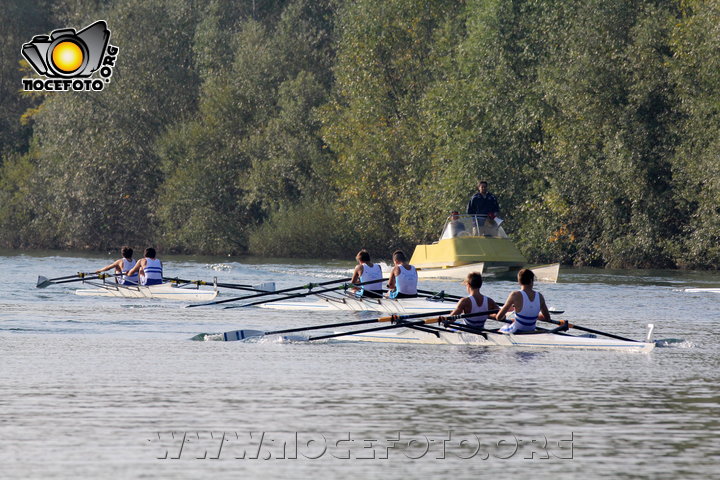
(454, 227)
(403, 277)
(149, 267)
(529, 305)
(475, 302)
(365, 272)
(123, 265)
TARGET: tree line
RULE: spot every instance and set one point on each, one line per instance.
(316, 127)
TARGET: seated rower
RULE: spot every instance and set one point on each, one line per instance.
(364, 272)
(475, 302)
(529, 305)
(403, 277)
(152, 270)
(123, 265)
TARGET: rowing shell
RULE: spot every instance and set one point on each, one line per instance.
(490, 339)
(364, 304)
(168, 291)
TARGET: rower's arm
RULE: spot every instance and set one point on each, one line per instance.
(509, 303)
(492, 306)
(391, 279)
(356, 274)
(136, 268)
(115, 264)
(460, 308)
(543, 309)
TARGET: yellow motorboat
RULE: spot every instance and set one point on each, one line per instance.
(474, 243)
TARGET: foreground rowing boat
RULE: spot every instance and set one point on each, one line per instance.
(330, 303)
(490, 339)
(168, 291)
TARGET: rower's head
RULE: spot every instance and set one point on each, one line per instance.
(399, 257)
(363, 256)
(127, 252)
(150, 252)
(526, 277)
(474, 280)
(482, 187)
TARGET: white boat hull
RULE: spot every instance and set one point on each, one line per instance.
(353, 304)
(168, 291)
(534, 340)
(702, 290)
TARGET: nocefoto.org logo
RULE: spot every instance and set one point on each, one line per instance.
(68, 59)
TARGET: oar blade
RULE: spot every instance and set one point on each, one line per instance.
(265, 287)
(43, 282)
(237, 335)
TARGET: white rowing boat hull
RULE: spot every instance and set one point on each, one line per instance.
(353, 304)
(534, 340)
(166, 291)
(702, 290)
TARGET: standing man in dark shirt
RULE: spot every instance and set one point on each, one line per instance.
(483, 202)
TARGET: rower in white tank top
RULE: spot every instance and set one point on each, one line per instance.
(470, 304)
(127, 265)
(403, 278)
(370, 273)
(153, 272)
(529, 311)
(364, 272)
(477, 321)
(406, 283)
(525, 319)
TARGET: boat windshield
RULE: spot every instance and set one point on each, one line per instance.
(472, 226)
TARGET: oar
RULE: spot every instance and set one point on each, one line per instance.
(401, 323)
(589, 330)
(242, 334)
(247, 297)
(262, 287)
(344, 286)
(46, 282)
(440, 294)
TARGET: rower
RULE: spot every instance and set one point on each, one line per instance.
(403, 277)
(151, 267)
(365, 272)
(475, 302)
(123, 265)
(529, 305)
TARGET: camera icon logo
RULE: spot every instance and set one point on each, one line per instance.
(66, 54)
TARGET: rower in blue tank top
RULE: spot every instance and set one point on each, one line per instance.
(529, 305)
(369, 274)
(403, 278)
(152, 270)
(123, 265)
(475, 302)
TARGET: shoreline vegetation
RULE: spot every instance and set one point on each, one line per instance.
(312, 128)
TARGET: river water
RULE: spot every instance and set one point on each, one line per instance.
(114, 388)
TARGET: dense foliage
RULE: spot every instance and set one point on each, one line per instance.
(314, 128)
